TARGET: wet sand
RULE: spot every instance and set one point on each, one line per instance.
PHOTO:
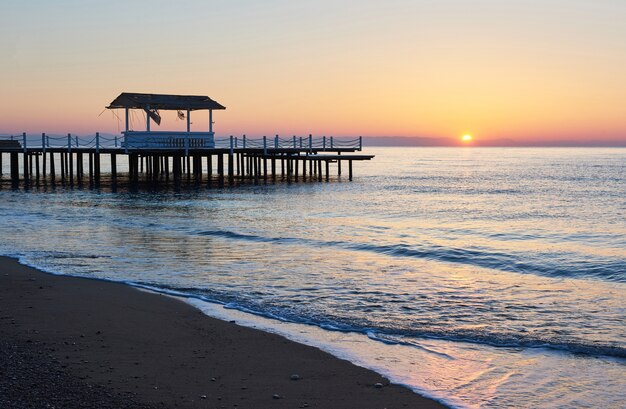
(72, 342)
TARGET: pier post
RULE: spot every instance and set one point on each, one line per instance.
(304, 169)
(96, 170)
(71, 167)
(319, 170)
(231, 168)
(296, 162)
(156, 161)
(220, 168)
(79, 165)
(339, 164)
(15, 169)
(273, 160)
(25, 161)
(43, 163)
(256, 168)
(62, 160)
(264, 167)
(327, 169)
(135, 167)
(91, 168)
(209, 165)
(52, 171)
(188, 161)
(37, 166)
(197, 166)
(148, 168)
(176, 167)
(114, 167)
(0, 164)
(350, 170)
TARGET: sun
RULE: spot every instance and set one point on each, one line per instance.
(467, 138)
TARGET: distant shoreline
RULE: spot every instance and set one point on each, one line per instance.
(405, 141)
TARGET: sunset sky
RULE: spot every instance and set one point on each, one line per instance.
(531, 70)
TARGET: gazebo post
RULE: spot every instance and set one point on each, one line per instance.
(148, 118)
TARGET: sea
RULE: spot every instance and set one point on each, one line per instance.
(480, 277)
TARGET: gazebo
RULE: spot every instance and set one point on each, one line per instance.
(151, 104)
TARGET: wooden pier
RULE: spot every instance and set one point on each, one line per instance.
(163, 155)
(76, 163)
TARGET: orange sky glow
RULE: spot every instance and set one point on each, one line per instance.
(518, 70)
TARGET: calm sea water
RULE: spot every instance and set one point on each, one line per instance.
(482, 277)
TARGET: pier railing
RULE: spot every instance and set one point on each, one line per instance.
(179, 141)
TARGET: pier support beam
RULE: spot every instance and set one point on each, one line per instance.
(339, 164)
(91, 168)
(97, 168)
(70, 159)
(176, 167)
(220, 168)
(62, 161)
(25, 163)
(52, 164)
(37, 167)
(79, 165)
(231, 168)
(15, 168)
(114, 167)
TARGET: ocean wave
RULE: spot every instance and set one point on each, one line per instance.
(394, 336)
(566, 266)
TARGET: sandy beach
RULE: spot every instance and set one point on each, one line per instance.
(74, 342)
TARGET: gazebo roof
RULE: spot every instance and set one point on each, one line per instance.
(163, 101)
